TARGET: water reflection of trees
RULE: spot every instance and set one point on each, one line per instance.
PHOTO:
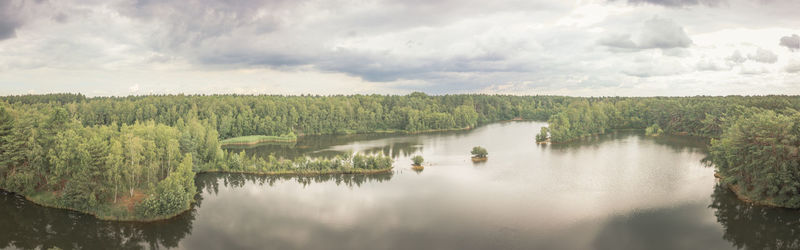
(210, 182)
(316, 145)
(755, 227)
(674, 227)
(674, 142)
(28, 226)
(306, 145)
(397, 149)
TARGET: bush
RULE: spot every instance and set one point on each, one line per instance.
(417, 160)
(653, 130)
(542, 136)
(479, 152)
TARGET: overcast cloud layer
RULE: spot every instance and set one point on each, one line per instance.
(585, 48)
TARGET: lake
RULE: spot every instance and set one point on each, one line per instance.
(621, 190)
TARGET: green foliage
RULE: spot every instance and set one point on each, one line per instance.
(759, 154)
(653, 130)
(542, 135)
(172, 195)
(479, 152)
(698, 116)
(357, 163)
(417, 160)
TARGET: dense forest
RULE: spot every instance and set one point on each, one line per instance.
(754, 140)
(135, 158)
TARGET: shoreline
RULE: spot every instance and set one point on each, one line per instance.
(103, 217)
(734, 188)
(95, 213)
(744, 198)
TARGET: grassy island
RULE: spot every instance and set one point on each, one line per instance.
(257, 139)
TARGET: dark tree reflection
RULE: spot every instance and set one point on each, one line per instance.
(750, 226)
(28, 226)
(210, 182)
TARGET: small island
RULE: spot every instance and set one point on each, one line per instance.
(417, 163)
(479, 154)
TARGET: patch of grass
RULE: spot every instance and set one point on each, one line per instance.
(256, 139)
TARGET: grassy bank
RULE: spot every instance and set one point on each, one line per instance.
(256, 139)
(123, 209)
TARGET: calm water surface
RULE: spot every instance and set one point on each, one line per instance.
(616, 191)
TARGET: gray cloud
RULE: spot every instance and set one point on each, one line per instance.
(736, 57)
(712, 65)
(188, 24)
(763, 56)
(662, 33)
(10, 19)
(792, 42)
(286, 34)
(654, 33)
(61, 17)
(621, 41)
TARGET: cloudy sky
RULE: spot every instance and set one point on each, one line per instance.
(580, 48)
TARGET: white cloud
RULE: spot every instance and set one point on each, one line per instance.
(707, 64)
(793, 66)
(753, 69)
(654, 33)
(737, 57)
(763, 56)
